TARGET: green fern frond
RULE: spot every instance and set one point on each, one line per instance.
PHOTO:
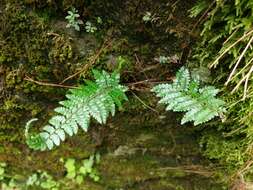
(94, 100)
(185, 95)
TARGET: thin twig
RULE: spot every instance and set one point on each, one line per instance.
(145, 105)
(191, 169)
(231, 46)
(239, 60)
(142, 82)
(27, 78)
(233, 132)
(230, 36)
(246, 83)
(239, 83)
(140, 65)
(53, 34)
(247, 64)
(93, 61)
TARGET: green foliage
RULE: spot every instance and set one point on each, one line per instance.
(90, 28)
(43, 180)
(10, 185)
(7, 182)
(85, 170)
(199, 7)
(95, 100)
(229, 152)
(226, 39)
(26, 47)
(163, 59)
(73, 20)
(147, 17)
(186, 95)
(225, 47)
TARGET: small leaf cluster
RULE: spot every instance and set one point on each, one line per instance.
(147, 17)
(73, 20)
(90, 28)
(85, 170)
(96, 100)
(43, 180)
(186, 95)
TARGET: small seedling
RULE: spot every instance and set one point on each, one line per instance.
(90, 28)
(73, 20)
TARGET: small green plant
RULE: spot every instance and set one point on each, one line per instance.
(90, 28)
(73, 19)
(85, 170)
(99, 20)
(43, 180)
(162, 59)
(186, 95)
(97, 99)
(147, 17)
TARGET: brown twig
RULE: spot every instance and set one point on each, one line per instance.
(145, 105)
(196, 169)
(27, 78)
(93, 61)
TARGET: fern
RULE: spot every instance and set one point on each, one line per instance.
(94, 100)
(185, 95)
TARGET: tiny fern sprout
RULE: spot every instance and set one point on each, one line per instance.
(186, 95)
(94, 100)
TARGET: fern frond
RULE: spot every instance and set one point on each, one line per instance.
(185, 95)
(94, 100)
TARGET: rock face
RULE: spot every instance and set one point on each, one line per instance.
(140, 148)
(155, 154)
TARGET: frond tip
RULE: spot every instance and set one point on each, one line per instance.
(185, 95)
(94, 100)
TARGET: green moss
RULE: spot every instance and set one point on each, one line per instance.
(229, 152)
(27, 49)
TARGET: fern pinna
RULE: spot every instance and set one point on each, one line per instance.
(94, 100)
(186, 95)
